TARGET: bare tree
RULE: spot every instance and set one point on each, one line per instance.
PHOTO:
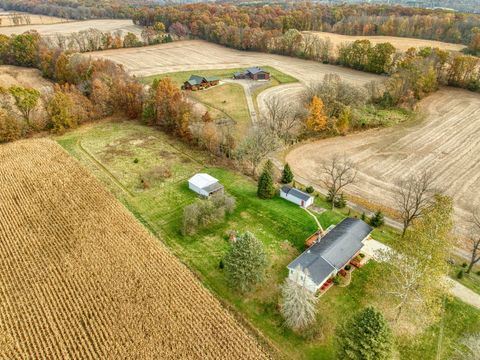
(338, 172)
(474, 241)
(412, 196)
(298, 305)
(283, 120)
(258, 144)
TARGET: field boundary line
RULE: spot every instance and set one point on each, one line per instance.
(104, 168)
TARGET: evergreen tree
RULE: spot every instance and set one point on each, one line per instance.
(377, 219)
(298, 305)
(245, 262)
(266, 189)
(365, 337)
(287, 175)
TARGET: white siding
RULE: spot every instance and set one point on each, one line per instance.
(290, 198)
(197, 189)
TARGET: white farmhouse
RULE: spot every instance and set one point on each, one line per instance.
(329, 254)
(296, 196)
(204, 184)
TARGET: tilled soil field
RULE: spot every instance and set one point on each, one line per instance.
(105, 25)
(198, 55)
(446, 142)
(80, 278)
(400, 43)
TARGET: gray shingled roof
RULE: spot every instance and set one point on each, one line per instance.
(255, 70)
(334, 250)
(295, 192)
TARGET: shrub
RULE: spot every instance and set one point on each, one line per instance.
(221, 265)
(377, 219)
(460, 274)
(205, 212)
(363, 217)
(245, 262)
(340, 202)
(336, 280)
(362, 255)
(478, 272)
(135, 161)
(464, 265)
(10, 128)
(348, 267)
(309, 189)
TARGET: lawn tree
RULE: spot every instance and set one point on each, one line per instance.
(287, 174)
(365, 336)
(258, 144)
(298, 305)
(412, 277)
(26, 100)
(412, 196)
(337, 173)
(474, 242)
(266, 187)
(283, 120)
(245, 262)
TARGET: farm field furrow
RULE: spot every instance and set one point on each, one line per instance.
(201, 55)
(446, 143)
(80, 278)
(402, 44)
(105, 25)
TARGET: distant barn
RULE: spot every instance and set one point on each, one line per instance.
(197, 82)
(253, 73)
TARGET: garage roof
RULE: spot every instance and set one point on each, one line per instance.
(202, 180)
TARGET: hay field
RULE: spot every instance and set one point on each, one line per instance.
(445, 143)
(27, 77)
(82, 279)
(105, 25)
(202, 55)
(17, 18)
(400, 43)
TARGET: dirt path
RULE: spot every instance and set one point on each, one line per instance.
(446, 143)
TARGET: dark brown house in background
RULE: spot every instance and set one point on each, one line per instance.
(253, 73)
(197, 82)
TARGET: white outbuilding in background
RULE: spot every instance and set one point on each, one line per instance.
(296, 196)
(204, 184)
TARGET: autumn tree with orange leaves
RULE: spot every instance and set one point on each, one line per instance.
(316, 120)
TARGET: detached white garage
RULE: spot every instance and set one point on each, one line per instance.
(204, 184)
(296, 196)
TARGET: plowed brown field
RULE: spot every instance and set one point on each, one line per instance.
(80, 278)
(400, 43)
(446, 143)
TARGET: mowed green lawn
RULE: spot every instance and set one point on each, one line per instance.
(122, 153)
(181, 76)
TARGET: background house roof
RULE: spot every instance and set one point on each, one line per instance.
(202, 180)
(296, 193)
(255, 70)
(334, 250)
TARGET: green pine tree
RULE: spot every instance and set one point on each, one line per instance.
(266, 188)
(245, 262)
(366, 336)
(287, 175)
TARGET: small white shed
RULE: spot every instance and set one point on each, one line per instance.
(296, 196)
(204, 184)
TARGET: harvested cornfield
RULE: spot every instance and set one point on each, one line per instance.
(401, 43)
(80, 278)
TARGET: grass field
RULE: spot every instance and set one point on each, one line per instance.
(80, 278)
(110, 150)
(180, 77)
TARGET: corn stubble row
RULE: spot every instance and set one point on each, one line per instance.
(81, 279)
